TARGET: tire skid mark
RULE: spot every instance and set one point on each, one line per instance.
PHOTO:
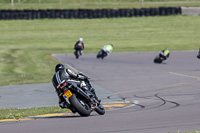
(135, 103)
(158, 98)
(126, 99)
(146, 97)
(166, 101)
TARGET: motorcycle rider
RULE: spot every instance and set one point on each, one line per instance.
(66, 74)
(107, 49)
(79, 46)
(165, 53)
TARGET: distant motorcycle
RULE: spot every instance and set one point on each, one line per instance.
(101, 54)
(160, 58)
(84, 102)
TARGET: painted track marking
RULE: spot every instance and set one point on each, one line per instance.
(107, 106)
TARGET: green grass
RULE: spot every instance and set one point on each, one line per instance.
(27, 112)
(94, 4)
(26, 46)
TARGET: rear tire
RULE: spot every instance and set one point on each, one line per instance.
(80, 106)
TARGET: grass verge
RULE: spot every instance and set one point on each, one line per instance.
(14, 113)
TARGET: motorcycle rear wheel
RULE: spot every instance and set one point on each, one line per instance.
(80, 106)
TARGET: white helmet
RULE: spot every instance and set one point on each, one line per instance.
(81, 39)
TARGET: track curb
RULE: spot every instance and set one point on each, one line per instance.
(106, 105)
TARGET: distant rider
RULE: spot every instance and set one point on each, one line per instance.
(107, 49)
(66, 74)
(79, 46)
(165, 53)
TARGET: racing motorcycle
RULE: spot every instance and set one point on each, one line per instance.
(84, 102)
(77, 53)
(198, 55)
(160, 58)
(101, 54)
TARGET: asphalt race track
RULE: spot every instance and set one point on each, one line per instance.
(165, 97)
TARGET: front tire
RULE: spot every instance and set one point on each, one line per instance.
(100, 109)
(80, 106)
(77, 53)
(158, 60)
(99, 54)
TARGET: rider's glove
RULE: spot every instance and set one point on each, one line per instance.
(81, 77)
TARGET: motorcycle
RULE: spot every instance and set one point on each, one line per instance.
(77, 53)
(160, 58)
(198, 55)
(101, 54)
(84, 102)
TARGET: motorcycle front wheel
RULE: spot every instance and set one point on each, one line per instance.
(80, 106)
(76, 54)
(100, 109)
(99, 54)
(158, 60)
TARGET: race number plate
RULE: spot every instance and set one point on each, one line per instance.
(67, 94)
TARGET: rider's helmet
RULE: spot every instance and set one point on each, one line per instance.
(80, 39)
(60, 67)
(111, 45)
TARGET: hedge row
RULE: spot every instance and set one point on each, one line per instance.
(87, 13)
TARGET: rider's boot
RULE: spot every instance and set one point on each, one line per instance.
(72, 109)
(64, 104)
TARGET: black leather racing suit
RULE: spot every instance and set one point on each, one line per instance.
(64, 75)
(79, 45)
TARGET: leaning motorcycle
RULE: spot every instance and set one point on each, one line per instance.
(159, 58)
(84, 102)
(101, 54)
(198, 56)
